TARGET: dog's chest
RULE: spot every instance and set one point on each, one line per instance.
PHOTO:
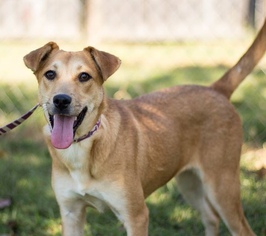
(97, 193)
(76, 159)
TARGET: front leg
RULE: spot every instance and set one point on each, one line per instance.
(72, 207)
(73, 216)
(138, 221)
(129, 207)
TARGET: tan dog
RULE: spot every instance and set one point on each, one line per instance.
(109, 153)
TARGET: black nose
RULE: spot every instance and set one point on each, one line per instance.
(62, 101)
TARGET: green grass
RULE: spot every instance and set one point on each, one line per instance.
(25, 176)
(25, 164)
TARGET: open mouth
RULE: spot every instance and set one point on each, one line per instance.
(64, 128)
(77, 122)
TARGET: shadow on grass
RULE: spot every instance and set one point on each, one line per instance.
(177, 76)
(25, 177)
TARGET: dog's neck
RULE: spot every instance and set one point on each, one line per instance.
(93, 119)
(90, 133)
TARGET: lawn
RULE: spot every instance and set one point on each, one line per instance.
(25, 162)
(25, 176)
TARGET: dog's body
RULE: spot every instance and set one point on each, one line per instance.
(190, 132)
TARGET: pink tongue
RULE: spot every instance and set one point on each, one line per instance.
(62, 133)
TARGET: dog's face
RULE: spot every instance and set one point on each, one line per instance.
(70, 87)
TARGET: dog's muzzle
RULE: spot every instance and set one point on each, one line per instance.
(63, 124)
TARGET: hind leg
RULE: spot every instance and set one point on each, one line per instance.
(223, 192)
(192, 190)
(215, 196)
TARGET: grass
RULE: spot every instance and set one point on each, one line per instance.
(25, 163)
(25, 176)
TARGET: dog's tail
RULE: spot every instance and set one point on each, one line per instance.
(234, 76)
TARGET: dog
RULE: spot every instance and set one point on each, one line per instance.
(115, 153)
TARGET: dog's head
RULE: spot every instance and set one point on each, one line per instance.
(70, 87)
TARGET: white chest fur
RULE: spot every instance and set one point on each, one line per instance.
(79, 183)
(76, 159)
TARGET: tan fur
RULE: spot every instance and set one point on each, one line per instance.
(192, 133)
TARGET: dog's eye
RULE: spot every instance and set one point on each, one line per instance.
(83, 77)
(50, 74)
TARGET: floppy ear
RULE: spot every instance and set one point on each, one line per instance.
(106, 63)
(36, 57)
